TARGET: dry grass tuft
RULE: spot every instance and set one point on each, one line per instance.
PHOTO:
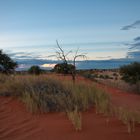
(76, 118)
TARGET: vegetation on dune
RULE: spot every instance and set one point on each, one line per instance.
(127, 78)
(131, 74)
(49, 93)
(128, 117)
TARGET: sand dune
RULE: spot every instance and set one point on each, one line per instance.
(16, 123)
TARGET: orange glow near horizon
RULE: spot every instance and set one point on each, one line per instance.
(48, 65)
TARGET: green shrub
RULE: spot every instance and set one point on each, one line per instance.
(64, 68)
(131, 73)
(7, 65)
(101, 76)
(115, 74)
(35, 70)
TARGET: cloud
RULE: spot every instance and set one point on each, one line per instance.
(134, 25)
(107, 57)
(27, 63)
(134, 55)
(24, 55)
(135, 44)
(134, 49)
(137, 38)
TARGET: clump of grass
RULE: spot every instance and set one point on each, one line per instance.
(47, 95)
(29, 102)
(81, 95)
(102, 102)
(76, 119)
(128, 117)
(3, 78)
(14, 85)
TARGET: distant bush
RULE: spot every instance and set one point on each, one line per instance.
(35, 70)
(95, 75)
(101, 76)
(106, 77)
(131, 73)
(115, 74)
(64, 68)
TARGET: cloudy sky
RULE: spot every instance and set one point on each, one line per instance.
(104, 29)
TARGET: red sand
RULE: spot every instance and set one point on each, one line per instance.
(123, 99)
(16, 123)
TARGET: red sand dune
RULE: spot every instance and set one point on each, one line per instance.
(16, 123)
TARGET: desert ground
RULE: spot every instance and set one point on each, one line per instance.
(17, 123)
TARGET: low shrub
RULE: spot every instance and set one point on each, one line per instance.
(35, 70)
(128, 117)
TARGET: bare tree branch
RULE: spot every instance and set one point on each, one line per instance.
(61, 55)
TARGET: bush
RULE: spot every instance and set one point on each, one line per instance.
(64, 68)
(131, 73)
(35, 70)
(6, 63)
(115, 75)
(101, 76)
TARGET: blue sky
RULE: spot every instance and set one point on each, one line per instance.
(101, 28)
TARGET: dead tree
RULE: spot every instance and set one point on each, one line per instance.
(74, 63)
(61, 55)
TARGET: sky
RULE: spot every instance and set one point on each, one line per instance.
(103, 29)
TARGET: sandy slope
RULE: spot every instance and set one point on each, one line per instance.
(123, 99)
(16, 123)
